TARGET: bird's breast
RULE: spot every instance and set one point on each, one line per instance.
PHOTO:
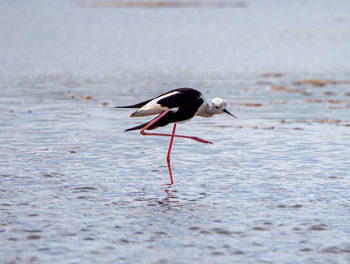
(203, 109)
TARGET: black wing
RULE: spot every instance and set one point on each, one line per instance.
(184, 97)
(184, 92)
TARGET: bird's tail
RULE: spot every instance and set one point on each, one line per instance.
(135, 105)
(137, 127)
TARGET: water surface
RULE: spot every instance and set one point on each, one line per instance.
(274, 186)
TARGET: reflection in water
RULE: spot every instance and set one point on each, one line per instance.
(170, 197)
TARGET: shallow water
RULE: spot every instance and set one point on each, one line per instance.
(274, 186)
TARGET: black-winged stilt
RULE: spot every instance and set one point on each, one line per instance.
(178, 105)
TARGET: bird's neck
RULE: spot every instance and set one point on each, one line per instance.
(206, 110)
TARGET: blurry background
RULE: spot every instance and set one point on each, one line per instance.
(78, 38)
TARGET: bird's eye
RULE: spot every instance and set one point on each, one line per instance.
(216, 107)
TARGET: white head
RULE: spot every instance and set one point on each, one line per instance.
(219, 106)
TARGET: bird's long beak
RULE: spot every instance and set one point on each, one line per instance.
(227, 112)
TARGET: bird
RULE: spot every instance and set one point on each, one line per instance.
(175, 106)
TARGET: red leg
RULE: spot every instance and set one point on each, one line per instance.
(142, 131)
(169, 151)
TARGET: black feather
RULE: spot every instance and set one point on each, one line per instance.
(184, 97)
(137, 127)
(135, 105)
(187, 101)
(182, 114)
